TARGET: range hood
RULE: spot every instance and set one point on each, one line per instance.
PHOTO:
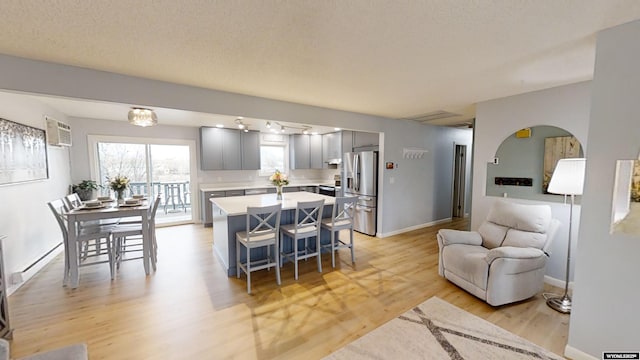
(337, 161)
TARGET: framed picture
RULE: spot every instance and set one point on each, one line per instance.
(556, 148)
(23, 153)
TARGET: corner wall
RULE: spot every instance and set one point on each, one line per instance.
(605, 315)
(566, 107)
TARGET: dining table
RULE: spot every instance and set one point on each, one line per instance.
(107, 210)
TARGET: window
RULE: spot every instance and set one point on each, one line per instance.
(272, 158)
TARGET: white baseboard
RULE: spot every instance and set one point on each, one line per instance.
(416, 227)
(17, 279)
(556, 282)
(575, 354)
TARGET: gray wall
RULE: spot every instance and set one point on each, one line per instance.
(523, 157)
(415, 182)
(605, 314)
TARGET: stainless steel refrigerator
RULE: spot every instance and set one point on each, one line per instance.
(361, 180)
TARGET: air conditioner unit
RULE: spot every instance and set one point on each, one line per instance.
(58, 133)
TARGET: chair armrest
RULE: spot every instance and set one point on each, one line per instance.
(449, 237)
(513, 252)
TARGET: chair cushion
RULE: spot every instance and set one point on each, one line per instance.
(468, 262)
(519, 238)
(492, 234)
(534, 218)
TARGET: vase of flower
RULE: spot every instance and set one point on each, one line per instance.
(279, 180)
(120, 196)
(119, 184)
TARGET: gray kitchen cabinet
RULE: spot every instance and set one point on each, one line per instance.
(365, 139)
(210, 148)
(206, 214)
(229, 149)
(315, 151)
(347, 141)
(250, 150)
(305, 151)
(331, 148)
(288, 189)
(230, 193)
(299, 152)
(220, 149)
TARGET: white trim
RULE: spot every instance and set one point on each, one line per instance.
(557, 282)
(575, 354)
(416, 227)
(92, 141)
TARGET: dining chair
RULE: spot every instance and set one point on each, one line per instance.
(128, 237)
(91, 242)
(341, 219)
(72, 201)
(306, 226)
(262, 230)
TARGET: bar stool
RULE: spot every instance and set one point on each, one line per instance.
(307, 225)
(341, 219)
(264, 233)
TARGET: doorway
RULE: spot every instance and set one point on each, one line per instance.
(154, 167)
(459, 181)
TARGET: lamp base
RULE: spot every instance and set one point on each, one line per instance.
(560, 304)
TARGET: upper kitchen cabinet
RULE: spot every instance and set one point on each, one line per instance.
(365, 139)
(305, 151)
(354, 140)
(331, 148)
(229, 149)
(250, 150)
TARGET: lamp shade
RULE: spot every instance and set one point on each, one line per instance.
(568, 177)
(142, 117)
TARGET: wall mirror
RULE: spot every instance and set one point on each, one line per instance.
(625, 217)
(524, 162)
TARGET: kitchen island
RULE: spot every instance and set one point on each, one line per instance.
(229, 217)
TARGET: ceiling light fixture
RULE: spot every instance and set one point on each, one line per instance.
(142, 117)
(268, 124)
(281, 128)
(239, 122)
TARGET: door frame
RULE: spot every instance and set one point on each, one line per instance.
(459, 185)
(92, 144)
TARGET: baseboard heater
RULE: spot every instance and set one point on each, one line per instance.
(18, 277)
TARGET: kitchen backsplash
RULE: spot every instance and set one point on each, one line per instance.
(252, 176)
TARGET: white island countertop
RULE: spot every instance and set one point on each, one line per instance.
(237, 205)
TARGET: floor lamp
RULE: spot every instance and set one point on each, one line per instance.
(567, 179)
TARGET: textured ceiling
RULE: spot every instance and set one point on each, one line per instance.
(397, 59)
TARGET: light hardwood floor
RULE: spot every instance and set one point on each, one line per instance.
(190, 309)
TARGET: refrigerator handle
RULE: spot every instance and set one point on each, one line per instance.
(356, 171)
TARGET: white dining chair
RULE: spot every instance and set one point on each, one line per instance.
(341, 219)
(128, 237)
(93, 243)
(306, 225)
(262, 230)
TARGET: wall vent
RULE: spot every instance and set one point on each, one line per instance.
(58, 133)
(436, 115)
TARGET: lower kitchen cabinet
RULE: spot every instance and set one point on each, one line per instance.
(206, 214)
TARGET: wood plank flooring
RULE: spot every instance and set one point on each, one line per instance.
(190, 309)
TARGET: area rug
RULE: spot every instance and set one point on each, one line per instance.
(436, 329)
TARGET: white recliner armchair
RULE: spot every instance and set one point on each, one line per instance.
(504, 261)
